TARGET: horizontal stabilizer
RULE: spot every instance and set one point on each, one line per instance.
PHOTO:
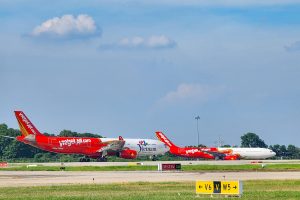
(8, 137)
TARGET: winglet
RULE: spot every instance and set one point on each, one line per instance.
(8, 136)
(26, 127)
(164, 139)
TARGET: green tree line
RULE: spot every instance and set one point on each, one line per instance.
(14, 151)
(282, 152)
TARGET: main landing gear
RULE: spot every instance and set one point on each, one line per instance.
(102, 159)
(85, 159)
(153, 158)
(219, 157)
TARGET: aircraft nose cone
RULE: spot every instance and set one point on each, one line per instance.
(273, 153)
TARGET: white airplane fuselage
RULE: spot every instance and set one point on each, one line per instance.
(143, 147)
(251, 153)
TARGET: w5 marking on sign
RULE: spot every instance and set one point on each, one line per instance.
(231, 187)
(219, 187)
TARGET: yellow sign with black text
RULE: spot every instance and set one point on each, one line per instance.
(219, 187)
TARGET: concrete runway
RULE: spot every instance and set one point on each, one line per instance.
(42, 178)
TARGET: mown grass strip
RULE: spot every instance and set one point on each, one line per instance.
(262, 190)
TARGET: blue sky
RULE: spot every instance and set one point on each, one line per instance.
(133, 67)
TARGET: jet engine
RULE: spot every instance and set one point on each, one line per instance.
(127, 154)
(231, 157)
(226, 151)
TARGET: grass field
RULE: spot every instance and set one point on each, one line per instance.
(262, 190)
(249, 167)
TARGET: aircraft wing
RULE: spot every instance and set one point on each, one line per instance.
(214, 153)
(222, 154)
(113, 145)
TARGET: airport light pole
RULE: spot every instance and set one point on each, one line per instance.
(197, 118)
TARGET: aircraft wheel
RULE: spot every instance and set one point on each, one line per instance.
(102, 159)
(84, 159)
(154, 158)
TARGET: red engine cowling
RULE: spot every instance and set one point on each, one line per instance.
(231, 157)
(128, 154)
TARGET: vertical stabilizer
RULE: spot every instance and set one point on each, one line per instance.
(164, 139)
(26, 127)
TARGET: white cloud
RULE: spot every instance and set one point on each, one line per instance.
(191, 93)
(67, 25)
(293, 47)
(138, 42)
(159, 41)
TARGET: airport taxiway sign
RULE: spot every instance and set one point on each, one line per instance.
(219, 187)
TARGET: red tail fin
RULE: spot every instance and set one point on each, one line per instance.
(26, 127)
(164, 139)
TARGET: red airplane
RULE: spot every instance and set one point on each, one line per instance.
(194, 152)
(90, 147)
